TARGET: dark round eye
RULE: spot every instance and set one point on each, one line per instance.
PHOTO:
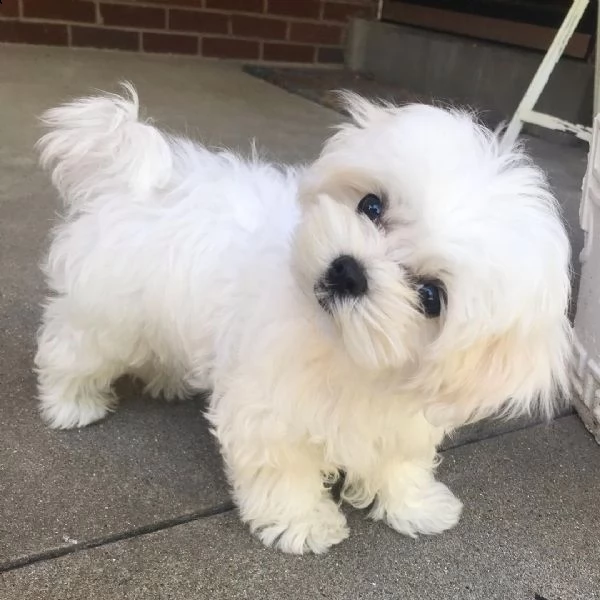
(371, 206)
(431, 296)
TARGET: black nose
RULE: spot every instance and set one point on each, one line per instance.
(346, 277)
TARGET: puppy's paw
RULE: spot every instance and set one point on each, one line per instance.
(316, 531)
(428, 510)
(61, 413)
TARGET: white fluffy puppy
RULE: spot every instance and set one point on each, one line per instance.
(346, 315)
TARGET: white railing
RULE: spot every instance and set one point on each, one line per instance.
(525, 112)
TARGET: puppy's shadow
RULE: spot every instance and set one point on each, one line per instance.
(133, 400)
(154, 440)
(175, 425)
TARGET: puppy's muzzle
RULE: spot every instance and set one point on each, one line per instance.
(346, 278)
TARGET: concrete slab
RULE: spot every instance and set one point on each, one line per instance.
(149, 462)
(530, 530)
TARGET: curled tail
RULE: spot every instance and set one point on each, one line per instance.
(97, 147)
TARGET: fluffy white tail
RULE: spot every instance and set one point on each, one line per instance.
(96, 147)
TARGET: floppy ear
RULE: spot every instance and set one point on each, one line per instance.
(517, 372)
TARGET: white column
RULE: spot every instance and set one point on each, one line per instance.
(586, 368)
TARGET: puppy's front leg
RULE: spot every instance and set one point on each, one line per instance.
(411, 501)
(280, 492)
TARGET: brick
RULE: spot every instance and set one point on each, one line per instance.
(103, 37)
(167, 43)
(190, 3)
(201, 21)
(257, 27)
(139, 17)
(288, 52)
(18, 32)
(9, 8)
(308, 9)
(330, 55)
(316, 33)
(341, 11)
(230, 48)
(163, 3)
(236, 5)
(63, 10)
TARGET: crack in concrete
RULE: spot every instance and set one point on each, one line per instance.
(449, 443)
(60, 551)
(224, 507)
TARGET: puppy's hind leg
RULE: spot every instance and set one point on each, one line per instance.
(74, 375)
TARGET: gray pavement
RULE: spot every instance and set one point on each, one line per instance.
(530, 527)
(531, 523)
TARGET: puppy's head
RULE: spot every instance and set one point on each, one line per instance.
(439, 256)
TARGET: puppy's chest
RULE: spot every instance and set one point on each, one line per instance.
(356, 432)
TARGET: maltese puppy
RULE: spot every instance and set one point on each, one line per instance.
(346, 315)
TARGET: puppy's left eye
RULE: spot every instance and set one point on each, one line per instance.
(431, 295)
(371, 206)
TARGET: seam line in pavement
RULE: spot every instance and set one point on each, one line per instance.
(60, 551)
(222, 508)
(491, 436)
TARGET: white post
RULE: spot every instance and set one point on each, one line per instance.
(586, 338)
(597, 67)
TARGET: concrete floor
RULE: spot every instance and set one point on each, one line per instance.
(137, 507)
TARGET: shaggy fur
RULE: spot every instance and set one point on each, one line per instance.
(194, 269)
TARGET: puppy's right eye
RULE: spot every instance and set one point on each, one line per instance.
(372, 207)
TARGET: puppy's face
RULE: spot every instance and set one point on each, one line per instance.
(438, 256)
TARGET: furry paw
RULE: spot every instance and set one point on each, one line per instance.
(67, 414)
(316, 531)
(428, 510)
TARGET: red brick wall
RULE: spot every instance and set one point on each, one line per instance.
(300, 31)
